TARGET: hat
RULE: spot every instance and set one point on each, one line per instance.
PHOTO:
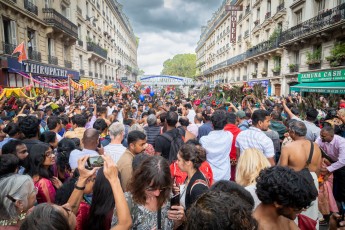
(240, 114)
(342, 105)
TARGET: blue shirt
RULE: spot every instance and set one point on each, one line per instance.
(205, 129)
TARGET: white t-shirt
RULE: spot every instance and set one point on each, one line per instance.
(115, 151)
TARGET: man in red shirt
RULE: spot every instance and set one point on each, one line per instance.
(232, 127)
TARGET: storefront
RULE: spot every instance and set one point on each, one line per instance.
(15, 74)
(328, 82)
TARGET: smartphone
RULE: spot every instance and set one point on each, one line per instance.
(175, 200)
(96, 161)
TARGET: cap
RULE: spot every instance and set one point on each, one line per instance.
(342, 105)
(241, 114)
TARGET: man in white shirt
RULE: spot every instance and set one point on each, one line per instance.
(115, 149)
(90, 141)
(254, 137)
(189, 112)
(194, 128)
(218, 145)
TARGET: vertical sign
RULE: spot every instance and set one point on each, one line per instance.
(233, 21)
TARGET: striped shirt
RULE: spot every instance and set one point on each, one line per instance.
(255, 138)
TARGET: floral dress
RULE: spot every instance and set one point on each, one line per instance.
(144, 219)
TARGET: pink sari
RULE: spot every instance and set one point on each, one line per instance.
(327, 203)
(46, 191)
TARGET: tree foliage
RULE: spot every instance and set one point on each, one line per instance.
(183, 65)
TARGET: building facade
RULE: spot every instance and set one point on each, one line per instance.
(84, 39)
(274, 42)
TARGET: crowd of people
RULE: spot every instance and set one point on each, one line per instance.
(116, 162)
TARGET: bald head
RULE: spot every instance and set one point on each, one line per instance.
(198, 118)
(90, 138)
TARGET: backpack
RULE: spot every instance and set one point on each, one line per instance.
(175, 145)
(246, 125)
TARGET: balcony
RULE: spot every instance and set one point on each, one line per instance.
(80, 42)
(68, 64)
(79, 10)
(326, 20)
(280, 7)
(267, 15)
(257, 22)
(263, 47)
(246, 34)
(53, 60)
(8, 48)
(82, 72)
(96, 74)
(315, 66)
(90, 73)
(34, 55)
(93, 47)
(12, 1)
(254, 74)
(294, 68)
(60, 23)
(30, 7)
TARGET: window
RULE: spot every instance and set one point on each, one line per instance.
(51, 47)
(79, 31)
(32, 46)
(81, 61)
(320, 5)
(256, 67)
(47, 3)
(258, 14)
(299, 16)
(266, 64)
(268, 6)
(296, 57)
(10, 32)
(87, 9)
(341, 2)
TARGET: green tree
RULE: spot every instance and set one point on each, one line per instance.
(183, 65)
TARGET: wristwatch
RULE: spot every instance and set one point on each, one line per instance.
(77, 187)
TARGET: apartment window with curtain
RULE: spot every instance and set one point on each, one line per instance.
(51, 47)
(32, 45)
(81, 62)
(258, 14)
(341, 2)
(9, 32)
(299, 16)
(268, 6)
(47, 3)
(320, 6)
(296, 57)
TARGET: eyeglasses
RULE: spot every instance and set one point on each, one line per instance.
(151, 189)
(49, 154)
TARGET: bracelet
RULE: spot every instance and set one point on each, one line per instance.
(78, 188)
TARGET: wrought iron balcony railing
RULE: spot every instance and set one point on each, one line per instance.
(263, 47)
(34, 55)
(52, 60)
(294, 68)
(321, 21)
(29, 6)
(93, 47)
(8, 48)
(57, 20)
(68, 64)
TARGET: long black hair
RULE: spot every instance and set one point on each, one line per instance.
(36, 159)
(102, 205)
(64, 149)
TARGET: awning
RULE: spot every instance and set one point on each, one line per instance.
(320, 87)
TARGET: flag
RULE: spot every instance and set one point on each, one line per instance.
(21, 50)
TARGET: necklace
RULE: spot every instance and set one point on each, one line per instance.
(13, 221)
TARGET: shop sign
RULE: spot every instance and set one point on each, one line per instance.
(319, 90)
(41, 69)
(328, 75)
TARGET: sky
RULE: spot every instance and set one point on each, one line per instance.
(166, 28)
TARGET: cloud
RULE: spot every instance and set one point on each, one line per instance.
(167, 28)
